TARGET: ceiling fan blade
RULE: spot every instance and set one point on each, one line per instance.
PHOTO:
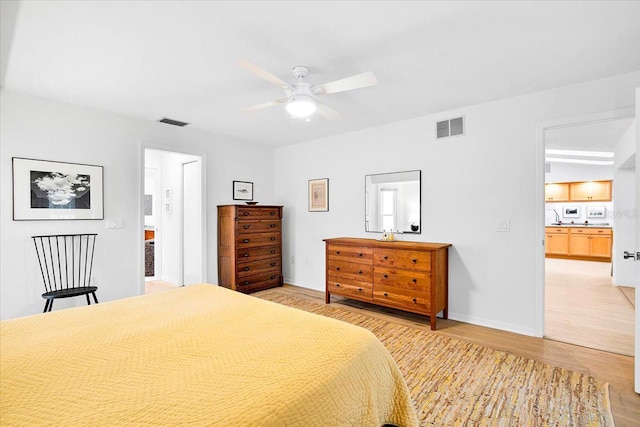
(354, 82)
(327, 112)
(263, 74)
(266, 105)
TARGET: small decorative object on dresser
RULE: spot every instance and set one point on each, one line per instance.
(411, 276)
(249, 247)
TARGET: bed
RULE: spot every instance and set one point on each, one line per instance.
(197, 355)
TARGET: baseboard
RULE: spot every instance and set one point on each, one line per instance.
(493, 324)
(304, 285)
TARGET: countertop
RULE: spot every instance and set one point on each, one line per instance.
(581, 225)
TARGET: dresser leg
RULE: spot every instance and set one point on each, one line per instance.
(327, 298)
(432, 320)
(445, 313)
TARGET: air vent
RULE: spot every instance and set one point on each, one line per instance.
(451, 127)
(173, 122)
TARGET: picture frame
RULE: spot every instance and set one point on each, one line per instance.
(242, 190)
(571, 211)
(596, 211)
(53, 190)
(319, 195)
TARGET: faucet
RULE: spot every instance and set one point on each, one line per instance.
(557, 216)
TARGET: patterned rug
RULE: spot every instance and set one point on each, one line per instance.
(455, 383)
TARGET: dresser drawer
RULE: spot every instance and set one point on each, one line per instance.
(259, 239)
(400, 278)
(254, 254)
(258, 267)
(246, 212)
(258, 281)
(349, 288)
(416, 260)
(350, 254)
(592, 231)
(356, 271)
(409, 300)
(257, 226)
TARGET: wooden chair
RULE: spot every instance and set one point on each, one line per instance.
(66, 262)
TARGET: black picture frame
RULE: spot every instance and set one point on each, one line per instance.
(242, 190)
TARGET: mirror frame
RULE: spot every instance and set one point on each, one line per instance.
(366, 200)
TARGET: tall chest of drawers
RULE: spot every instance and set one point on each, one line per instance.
(249, 247)
(411, 276)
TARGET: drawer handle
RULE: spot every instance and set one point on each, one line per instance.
(245, 241)
(360, 272)
(273, 238)
(272, 226)
(337, 268)
(599, 231)
(245, 213)
(245, 255)
(415, 261)
(273, 264)
(247, 269)
(272, 213)
(386, 276)
(359, 254)
(359, 289)
(414, 281)
(247, 282)
(273, 251)
(246, 227)
(337, 285)
(386, 257)
(386, 294)
(415, 300)
(273, 277)
(337, 252)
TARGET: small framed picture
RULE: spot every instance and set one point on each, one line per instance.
(571, 211)
(319, 195)
(596, 211)
(242, 190)
(49, 190)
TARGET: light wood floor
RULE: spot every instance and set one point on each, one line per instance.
(583, 307)
(153, 286)
(614, 368)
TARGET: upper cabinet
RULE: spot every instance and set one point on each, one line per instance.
(558, 192)
(590, 191)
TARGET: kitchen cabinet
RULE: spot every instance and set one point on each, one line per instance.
(557, 241)
(591, 191)
(587, 243)
(556, 192)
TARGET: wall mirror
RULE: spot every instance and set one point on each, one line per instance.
(392, 202)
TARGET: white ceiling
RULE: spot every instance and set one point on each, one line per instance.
(178, 59)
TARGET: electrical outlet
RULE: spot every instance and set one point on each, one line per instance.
(504, 225)
(293, 259)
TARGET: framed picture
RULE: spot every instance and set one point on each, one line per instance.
(319, 195)
(596, 211)
(47, 190)
(571, 211)
(242, 190)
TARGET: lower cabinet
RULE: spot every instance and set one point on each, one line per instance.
(579, 243)
(411, 276)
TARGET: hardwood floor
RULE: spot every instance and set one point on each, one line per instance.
(583, 307)
(153, 286)
(614, 368)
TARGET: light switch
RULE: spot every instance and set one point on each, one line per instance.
(504, 225)
(115, 223)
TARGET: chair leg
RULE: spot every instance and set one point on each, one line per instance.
(88, 300)
(94, 297)
(48, 305)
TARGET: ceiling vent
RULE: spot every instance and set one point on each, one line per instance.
(173, 122)
(451, 127)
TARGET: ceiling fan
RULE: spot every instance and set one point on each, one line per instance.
(301, 98)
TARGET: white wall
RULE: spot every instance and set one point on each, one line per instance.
(38, 128)
(468, 184)
(573, 172)
(625, 204)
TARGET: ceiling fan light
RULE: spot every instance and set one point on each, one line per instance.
(301, 106)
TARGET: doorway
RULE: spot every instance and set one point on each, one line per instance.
(173, 220)
(583, 302)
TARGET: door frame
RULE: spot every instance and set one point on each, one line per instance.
(541, 127)
(144, 145)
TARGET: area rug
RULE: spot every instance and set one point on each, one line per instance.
(455, 383)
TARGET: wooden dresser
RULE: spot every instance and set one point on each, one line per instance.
(249, 247)
(411, 276)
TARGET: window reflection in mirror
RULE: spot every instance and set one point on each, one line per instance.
(392, 202)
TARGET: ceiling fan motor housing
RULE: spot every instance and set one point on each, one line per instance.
(300, 71)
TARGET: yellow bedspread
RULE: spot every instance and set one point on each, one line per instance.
(198, 355)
